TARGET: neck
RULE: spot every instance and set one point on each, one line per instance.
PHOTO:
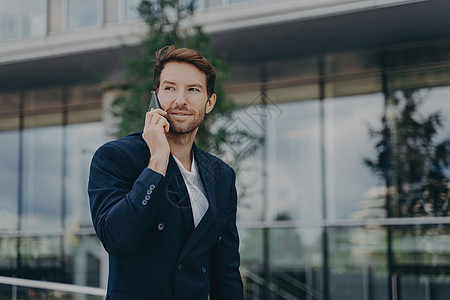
(181, 147)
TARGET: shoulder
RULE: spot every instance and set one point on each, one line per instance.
(217, 165)
(130, 145)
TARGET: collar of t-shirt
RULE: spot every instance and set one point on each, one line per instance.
(194, 185)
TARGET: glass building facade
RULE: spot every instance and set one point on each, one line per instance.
(353, 200)
(345, 197)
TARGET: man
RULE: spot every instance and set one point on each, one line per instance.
(165, 210)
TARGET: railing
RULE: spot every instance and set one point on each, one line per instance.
(50, 286)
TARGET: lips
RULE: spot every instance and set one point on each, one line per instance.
(180, 115)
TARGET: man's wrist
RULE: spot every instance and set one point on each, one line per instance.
(158, 162)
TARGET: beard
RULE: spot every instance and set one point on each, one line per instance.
(177, 127)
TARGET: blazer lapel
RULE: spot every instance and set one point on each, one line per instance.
(179, 194)
(207, 174)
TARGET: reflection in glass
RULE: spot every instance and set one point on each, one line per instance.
(86, 260)
(41, 177)
(84, 104)
(293, 153)
(8, 259)
(296, 262)
(427, 245)
(131, 12)
(413, 153)
(352, 191)
(82, 141)
(111, 8)
(36, 252)
(43, 107)
(239, 1)
(357, 263)
(293, 263)
(9, 111)
(251, 248)
(82, 260)
(9, 179)
(82, 13)
(22, 18)
(213, 3)
(37, 293)
(55, 18)
(414, 286)
(242, 150)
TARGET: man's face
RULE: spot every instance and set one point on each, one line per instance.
(183, 95)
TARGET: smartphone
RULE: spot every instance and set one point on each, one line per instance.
(154, 102)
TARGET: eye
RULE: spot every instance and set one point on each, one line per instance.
(193, 89)
(168, 88)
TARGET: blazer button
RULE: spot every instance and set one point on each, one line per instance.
(203, 270)
(144, 202)
(149, 192)
(152, 187)
(161, 226)
(179, 267)
(218, 241)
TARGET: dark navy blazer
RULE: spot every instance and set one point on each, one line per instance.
(144, 221)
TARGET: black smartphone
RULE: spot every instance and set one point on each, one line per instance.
(154, 102)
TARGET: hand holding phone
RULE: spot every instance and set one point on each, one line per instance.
(154, 102)
(154, 134)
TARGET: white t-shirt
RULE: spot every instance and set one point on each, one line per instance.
(194, 185)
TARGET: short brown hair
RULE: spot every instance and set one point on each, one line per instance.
(191, 56)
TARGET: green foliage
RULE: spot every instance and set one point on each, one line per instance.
(411, 160)
(168, 24)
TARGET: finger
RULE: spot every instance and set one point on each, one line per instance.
(162, 123)
(166, 126)
(156, 112)
(148, 117)
(159, 111)
(155, 119)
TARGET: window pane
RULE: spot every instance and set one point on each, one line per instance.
(352, 190)
(420, 246)
(213, 3)
(87, 259)
(42, 180)
(22, 18)
(357, 261)
(9, 111)
(43, 107)
(111, 11)
(9, 177)
(131, 12)
(424, 287)
(39, 251)
(56, 13)
(419, 139)
(291, 160)
(84, 104)
(293, 263)
(82, 141)
(293, 153)
(82, 13)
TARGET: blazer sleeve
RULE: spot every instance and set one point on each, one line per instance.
(122, 210)
(226, 282)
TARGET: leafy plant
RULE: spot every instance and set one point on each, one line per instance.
(169, 22)
(410, 160)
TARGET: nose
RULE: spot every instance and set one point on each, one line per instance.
(181, 98)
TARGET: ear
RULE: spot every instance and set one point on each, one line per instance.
(210, 103)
